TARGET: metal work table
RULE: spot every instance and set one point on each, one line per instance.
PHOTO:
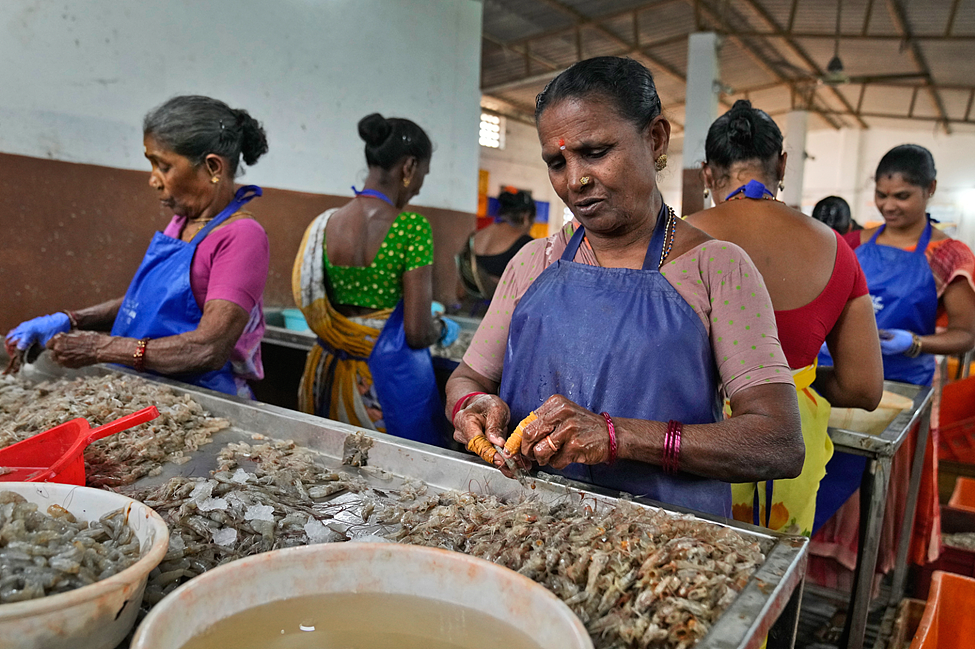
(880, 450)
(767, 605)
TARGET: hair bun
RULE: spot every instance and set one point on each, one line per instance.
(374, 129)
(253, 142)
(741, 131)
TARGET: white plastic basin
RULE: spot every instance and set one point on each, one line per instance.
(386, 568)
(100, 615)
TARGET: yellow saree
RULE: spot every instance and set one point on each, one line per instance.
(793, 506)
(336, 382)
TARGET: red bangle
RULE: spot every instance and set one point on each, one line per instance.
(139, 356)
(671, 455)
(72, 318)
(613, 447)
(460, 404)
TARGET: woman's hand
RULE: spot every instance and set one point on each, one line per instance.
(483, 414)
(39, 330)
(78, 348)
(895, 341)
(565, 433)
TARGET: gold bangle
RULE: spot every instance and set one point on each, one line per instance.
(139, 356)
(915, 349)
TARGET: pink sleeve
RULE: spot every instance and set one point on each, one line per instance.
(240, 256)
(743, 333)
(486, 352)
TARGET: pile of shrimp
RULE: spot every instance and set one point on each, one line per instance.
(45, 554)
(635, 577)
(181, 427)
(286, 499)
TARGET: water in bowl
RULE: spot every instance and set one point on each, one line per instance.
(360, 621)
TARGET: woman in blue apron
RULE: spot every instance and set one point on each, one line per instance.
(920, 282)
(621, 335)
(363, 278)
(193, 311)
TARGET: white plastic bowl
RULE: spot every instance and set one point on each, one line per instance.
(100, 615)
(361, 568)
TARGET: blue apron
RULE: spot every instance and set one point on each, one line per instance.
(623, 341)
(904, 297)
(160, 302)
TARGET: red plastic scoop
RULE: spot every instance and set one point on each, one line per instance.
(57, 455)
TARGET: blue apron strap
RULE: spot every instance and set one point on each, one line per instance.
(656, 245)
(570, 250)
(753, 189)
(374, 194)
(876, 234)
(922, 243)
(244, 195)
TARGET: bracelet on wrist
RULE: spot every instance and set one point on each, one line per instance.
(613, 445)
(72, 319)
(671, 455)
(460, 404)
(915, 349)
(139, 356)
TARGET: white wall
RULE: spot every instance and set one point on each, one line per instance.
(843, 163)
(79, 75)
(520, 164)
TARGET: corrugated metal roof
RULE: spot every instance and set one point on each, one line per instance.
(654, 32)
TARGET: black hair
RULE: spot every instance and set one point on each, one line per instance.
(744, 134)
(834, 212)
(912, 161)
(517, 208)
(627, 83)
(389, 140)
(195, 126)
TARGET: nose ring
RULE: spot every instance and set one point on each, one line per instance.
(584, 180)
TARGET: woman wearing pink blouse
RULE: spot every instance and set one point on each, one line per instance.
(621, 332)
(193, 311)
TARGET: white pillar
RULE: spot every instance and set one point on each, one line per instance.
(796, 123)
(700, 110)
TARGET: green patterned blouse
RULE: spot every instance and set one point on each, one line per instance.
(408, 245)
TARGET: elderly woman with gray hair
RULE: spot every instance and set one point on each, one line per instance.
(193, 311)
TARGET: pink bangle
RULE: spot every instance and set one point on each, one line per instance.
(671, 454)
(460, 404)
(613, 448)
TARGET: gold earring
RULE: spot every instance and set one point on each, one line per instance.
(406, 182)
(584, 180)
(707, 193)
(215, 180)
(660, 163)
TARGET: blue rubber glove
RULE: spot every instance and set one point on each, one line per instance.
(895, 341)
(436, 308)
(450, 332)
(39, 330)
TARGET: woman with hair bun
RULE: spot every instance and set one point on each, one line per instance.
(818, 292)
(364, 273)
(487, 252)
(194, 309)
(834, 211)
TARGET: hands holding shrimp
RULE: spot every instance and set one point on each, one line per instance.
(563, 432)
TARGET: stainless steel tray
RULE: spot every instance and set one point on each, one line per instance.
(743, 625)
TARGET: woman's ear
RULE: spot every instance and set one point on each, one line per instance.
(410, 166)
(215, 165)
(933, 186)
(658, 134)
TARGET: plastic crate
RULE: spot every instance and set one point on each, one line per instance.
(948, 622)
(956, 442)
(951, 559)
(963, 497)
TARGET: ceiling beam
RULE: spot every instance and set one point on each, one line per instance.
(823, 36)
(868, 114)
(587, 21)
(801, 53)
(902, 25)
(951, 18)
(756, 56)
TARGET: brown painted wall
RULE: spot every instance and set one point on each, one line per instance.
(74, 234)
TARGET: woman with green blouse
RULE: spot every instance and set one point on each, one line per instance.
(366, 269)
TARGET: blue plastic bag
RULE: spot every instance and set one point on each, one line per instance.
(406, 386)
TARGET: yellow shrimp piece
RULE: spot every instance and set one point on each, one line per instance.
(513, 444)
(481, 446)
